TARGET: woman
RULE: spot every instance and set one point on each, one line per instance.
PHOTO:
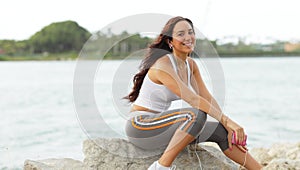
(167, 73)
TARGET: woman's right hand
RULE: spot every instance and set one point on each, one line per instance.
(233, 127)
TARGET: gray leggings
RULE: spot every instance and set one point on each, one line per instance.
(151, 131)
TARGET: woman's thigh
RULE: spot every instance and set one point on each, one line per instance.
(156, 130)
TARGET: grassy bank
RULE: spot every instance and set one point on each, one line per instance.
(74, 56)
(41, 57)
(258, 54)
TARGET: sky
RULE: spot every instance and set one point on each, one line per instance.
(259, 20)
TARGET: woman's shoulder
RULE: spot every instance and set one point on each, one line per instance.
(162, 62)
(164, 58)
(192, 62)
(159, 68)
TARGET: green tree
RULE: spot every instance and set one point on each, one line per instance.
(8, 46)
(59, 37)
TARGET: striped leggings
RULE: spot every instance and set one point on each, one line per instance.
(151, 131)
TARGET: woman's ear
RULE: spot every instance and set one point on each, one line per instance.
(170, 44)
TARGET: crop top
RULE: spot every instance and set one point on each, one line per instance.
(158, 97)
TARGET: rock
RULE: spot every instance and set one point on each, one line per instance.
(119, 154)
(288, 150)
(261, 155)
(57, 164)
(283, 164)
(279, 156)
(114, 153)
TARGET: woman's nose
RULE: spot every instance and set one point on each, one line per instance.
(187, 36)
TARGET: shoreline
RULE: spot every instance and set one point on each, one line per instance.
(74, 58)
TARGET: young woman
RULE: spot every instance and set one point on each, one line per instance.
(167, 73)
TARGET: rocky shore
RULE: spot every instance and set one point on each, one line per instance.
(119, 154)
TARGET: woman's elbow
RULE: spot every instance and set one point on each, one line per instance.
(194, 101)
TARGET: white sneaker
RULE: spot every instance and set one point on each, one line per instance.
(156, 166)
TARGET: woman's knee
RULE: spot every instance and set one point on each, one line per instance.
(198, 120)
(214, 132)
(221, 137)
(199, 116)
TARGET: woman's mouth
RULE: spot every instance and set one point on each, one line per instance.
(188, 44)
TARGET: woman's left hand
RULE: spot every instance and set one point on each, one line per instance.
(233, 127)
(242, 148)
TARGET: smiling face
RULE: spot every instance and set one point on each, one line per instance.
(183, 38)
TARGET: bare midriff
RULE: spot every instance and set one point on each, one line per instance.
(141, 108)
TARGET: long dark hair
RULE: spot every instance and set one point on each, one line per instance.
(156, 50)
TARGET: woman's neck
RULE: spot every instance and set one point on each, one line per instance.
(181, 56)
(180, 60)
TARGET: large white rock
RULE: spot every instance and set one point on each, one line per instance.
(261, 155)
(107, 154)
(115, 153)
(279, 156)
(55, 164)
(283, 164)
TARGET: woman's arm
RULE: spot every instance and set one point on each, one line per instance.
(162, 72)
(199, 85)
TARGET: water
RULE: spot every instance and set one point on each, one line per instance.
(39, 120)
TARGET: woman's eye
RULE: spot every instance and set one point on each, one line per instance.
(191, 32)
(180, 34)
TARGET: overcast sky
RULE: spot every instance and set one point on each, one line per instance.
(259, 19)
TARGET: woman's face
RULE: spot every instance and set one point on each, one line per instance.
(183, 38)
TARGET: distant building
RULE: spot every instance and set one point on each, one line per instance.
(1, 51)
(290, 47)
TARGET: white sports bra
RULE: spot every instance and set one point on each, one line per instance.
(158, 97)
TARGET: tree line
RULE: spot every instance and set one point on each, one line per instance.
(69, 37)
(59, 37)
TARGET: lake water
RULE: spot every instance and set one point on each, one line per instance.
(39, 118)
